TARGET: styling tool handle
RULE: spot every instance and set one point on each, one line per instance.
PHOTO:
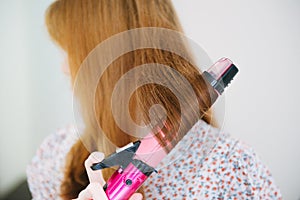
(124, 183)
(129, 177)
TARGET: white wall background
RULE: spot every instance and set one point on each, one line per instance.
(261, 37)
(35, 97)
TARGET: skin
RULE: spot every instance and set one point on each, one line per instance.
(94, 190)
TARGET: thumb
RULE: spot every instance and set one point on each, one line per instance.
(94, 175)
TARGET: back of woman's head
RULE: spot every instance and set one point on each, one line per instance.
(78, 26)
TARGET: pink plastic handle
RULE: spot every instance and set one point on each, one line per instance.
(124, 183)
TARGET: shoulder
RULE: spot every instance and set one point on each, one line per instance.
(55, 144)
(212, 165)
(238, 171)
(45, 171)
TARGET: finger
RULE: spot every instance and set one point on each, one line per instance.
(136, 196)
(93, 191)
(94, 175)
(84, 195)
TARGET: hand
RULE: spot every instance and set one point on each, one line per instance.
(95, 190)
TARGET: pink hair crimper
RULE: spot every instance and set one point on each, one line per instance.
(132, 171)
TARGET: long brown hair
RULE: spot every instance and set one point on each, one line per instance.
(78, 26)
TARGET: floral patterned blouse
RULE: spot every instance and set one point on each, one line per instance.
(206, 164)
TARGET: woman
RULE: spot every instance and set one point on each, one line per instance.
(61, 168)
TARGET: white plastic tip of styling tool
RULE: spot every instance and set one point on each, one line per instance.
(125, 147)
